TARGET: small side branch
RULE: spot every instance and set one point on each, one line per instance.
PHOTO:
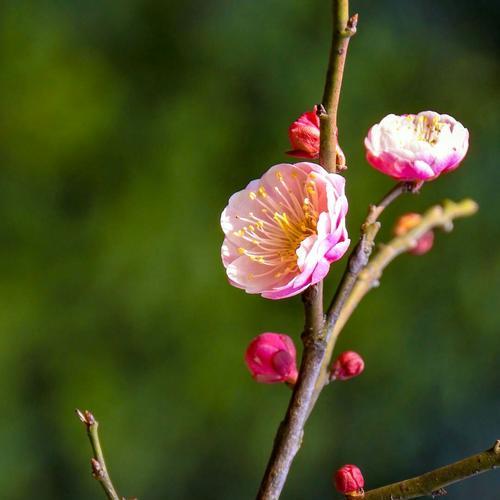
(356, 263)
(438, 216)
(358, 285)
(361, 253)
(99, 469)
(434, 483)
(344, 27)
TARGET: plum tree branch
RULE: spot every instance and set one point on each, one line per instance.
(99, 469)
(358, 281)
(289, 436)
(358, 259)
(433, 483)
(344, 27)
(438, 216)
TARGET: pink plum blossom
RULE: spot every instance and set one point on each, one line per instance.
(304, 135)
(416, 147)
(348, 365)
(270, 357)
(406, 223)
(284, 230)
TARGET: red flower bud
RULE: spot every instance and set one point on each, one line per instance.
(348, 365)
(349, 481)
(304, 135)
(270, 357)
(406, 223)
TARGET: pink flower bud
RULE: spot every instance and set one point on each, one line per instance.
(416, 147)
(406, 223)
(348, 365)
(270, 357)
(304, 135)
(349, 481)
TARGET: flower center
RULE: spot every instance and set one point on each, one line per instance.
(281, 222)
(426, 128)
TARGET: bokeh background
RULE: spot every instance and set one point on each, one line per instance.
(124, 128)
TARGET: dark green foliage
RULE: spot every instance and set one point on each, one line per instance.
(124, 128)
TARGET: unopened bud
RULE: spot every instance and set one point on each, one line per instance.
(97, 470)
(86, 417)
(271, 358)
(406, 223)
(348, 365)
(349, 481)
(304, 135)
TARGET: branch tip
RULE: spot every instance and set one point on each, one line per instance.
(97, 462)
(496, 447)
(86, 417)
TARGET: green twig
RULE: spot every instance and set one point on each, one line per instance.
(99, 469)
(368, 276)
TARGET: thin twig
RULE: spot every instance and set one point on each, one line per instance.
(434, 483)
(99, 469)
(437, 216)
(369, 276)
(356, 263)
(344, 27)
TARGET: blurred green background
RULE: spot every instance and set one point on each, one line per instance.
(124, 128)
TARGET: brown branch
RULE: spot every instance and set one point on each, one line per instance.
(438, 216)
(99, 469)
(317, 339)
(358, 285)
(343, 29)
(433, 483)
(357, 261)
(289, 436)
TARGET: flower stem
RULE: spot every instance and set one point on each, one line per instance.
(433, 483)
(344, 27)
